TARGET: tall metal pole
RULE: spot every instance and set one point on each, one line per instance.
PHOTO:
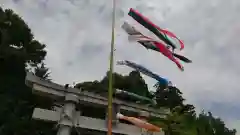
(110, 87)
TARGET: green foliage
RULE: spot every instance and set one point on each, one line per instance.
(208, 125)
(132, 83)
(18, 48)
(42, 72)
(169, 97)
(182, 120)
(17, 39)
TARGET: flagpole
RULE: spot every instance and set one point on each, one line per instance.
(110, 87)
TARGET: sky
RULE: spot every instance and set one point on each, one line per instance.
(78, 35)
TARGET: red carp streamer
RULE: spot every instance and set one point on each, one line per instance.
(154, 28)
(150, 43)
(166, 52)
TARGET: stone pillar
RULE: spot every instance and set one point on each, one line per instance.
(68, 114)
(144, 115)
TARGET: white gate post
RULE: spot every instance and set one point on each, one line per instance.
(68, 114)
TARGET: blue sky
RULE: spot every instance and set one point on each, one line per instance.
(77, 34)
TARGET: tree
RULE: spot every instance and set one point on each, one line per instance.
(18, 49)
(209, 125)
(42, 72)
(170, 97)
(17, 39)
(133, 83)
(182, 119)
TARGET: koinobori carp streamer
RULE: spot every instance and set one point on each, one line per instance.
(160, 33)
(144, 71)
(139, 123)
(151, 44)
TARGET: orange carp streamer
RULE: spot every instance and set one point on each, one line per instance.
(139, 123)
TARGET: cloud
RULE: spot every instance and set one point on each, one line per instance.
(77, 34)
